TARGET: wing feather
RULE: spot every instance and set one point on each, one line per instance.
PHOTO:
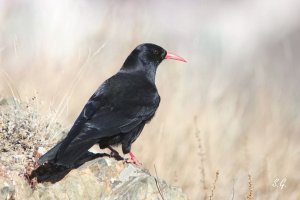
(115, 108)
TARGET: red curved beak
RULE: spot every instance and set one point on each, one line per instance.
(175, 57)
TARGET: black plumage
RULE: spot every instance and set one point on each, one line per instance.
(117, 112)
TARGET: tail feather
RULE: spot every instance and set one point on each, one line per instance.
(50, 155)
(69, 156)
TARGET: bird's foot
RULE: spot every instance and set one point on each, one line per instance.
(133, 160)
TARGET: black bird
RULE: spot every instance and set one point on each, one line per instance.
(118, 111)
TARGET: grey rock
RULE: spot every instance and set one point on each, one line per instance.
(103, 179)
(7, 189)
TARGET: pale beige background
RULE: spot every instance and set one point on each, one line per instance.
(241, 82)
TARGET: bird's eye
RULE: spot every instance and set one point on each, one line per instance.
(155, 52)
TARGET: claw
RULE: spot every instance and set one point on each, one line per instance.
(133, 160)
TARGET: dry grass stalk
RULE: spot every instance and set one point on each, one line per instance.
(201, 154)
(232, 196)
(157, 185)
(214, 186)
(250, 188)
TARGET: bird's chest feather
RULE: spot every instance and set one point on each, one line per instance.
(133, 90)
(133, 95)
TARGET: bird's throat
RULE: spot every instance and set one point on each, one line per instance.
(148, 70)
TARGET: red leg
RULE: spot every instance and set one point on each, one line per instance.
(133, 159)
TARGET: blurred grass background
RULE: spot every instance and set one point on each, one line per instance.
(233, 108)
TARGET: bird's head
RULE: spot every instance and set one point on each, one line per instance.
(149, 54)
(154, 54)
(146, 57)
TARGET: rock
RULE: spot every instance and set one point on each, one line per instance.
(7, 189)
(102, 178)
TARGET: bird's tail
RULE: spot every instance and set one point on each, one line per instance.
(50, 155)
(67, 157)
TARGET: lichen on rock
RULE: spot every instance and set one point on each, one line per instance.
(102, 178)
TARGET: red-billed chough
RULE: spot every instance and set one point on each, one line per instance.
(118, 111)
